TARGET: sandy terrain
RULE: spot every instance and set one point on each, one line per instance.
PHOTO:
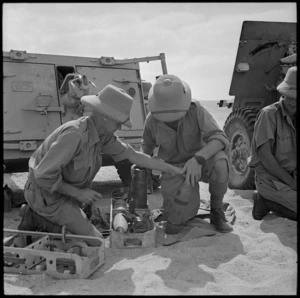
(257, 258)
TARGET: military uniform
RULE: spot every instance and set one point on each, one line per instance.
(195, 129)
(273, 124)
(72, 153)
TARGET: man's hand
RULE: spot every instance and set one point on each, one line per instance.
(88, 196)
(193, 171)
(172, 170)
(143, 160)
(175, 170)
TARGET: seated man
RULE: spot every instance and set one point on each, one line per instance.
(274, 154)
(188, 137)
(62, 169)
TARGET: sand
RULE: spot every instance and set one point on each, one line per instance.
(257, 258)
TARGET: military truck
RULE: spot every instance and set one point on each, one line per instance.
(41, 92)
(265, 52)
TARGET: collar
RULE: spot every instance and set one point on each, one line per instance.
(284, 113)
(92, 132)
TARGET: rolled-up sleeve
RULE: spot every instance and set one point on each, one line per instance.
(117, 149)
(210, 128)
(48, 172)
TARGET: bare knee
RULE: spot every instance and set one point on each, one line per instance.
(220, 172)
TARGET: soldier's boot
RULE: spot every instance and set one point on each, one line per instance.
(260, 208)
(217, 218)
(172, 228)
(31, 221)
(281, 210)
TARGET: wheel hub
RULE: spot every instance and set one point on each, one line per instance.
(239, 153)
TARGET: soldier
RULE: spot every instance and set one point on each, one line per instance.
(62, 169)
(274, 154)
(188, 137)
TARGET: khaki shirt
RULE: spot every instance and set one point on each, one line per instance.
(194, 131)
(72, 153)
(274, 124)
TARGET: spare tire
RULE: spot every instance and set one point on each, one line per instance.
(239, 128)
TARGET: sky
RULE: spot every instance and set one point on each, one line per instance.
(199, 39)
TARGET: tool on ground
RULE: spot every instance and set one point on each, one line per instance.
(131, 221)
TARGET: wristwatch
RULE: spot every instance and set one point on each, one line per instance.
(200, 159)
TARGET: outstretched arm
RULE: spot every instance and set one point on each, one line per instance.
(143, 160)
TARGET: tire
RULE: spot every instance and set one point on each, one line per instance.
(124, 171)
(239, 128)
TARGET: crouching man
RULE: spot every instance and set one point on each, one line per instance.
(274, 154)
(188, 137)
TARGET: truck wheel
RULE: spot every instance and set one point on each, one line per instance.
(239, 128)
(124, 170)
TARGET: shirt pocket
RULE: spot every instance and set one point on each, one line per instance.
(284, 143)
(192, 141)
(82, 162)
(166, 140)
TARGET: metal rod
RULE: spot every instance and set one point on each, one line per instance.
(32, 233)
(136, 60)
(163, 63)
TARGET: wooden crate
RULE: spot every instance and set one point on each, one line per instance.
(130, 239)
(49, 256)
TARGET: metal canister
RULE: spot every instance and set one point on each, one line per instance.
(130, 201)
(139, 186)
(120, 204)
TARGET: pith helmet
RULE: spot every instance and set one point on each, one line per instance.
(112, 102)
(289, 85)
(169, 98)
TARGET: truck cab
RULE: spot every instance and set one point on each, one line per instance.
(265, 52)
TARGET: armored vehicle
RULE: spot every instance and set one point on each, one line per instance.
(41, 92)
(265, 52)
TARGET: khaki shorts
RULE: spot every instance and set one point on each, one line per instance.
(274, 190)
(64, 211)
(206, 170)
(182, 202)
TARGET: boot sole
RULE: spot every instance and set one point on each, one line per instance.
(226, 231)
(255, 216)
(254, 207)
(219, 230)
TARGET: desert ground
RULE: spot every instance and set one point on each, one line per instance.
(257, 258)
